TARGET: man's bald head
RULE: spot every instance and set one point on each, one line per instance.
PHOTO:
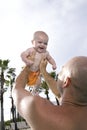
(76, 70)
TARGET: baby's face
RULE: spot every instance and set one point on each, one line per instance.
(41, 43)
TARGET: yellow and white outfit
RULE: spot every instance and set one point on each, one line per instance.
(33, 77)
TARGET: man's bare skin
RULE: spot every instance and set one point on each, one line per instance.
(41, 114)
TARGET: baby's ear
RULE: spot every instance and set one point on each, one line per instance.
(33, 42)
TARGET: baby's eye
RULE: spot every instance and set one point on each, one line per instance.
(45, 43)
(39, 42)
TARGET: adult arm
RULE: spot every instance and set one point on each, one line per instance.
(52, 84)
(23, 99)
(33, 109)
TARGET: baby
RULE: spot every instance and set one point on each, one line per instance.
(32, 57)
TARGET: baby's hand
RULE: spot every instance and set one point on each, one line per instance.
(30, 63)
(54, 67)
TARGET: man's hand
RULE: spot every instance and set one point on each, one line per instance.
(43, 65)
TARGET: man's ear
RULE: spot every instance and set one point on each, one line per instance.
(67, 82)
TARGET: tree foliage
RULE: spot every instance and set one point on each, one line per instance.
(8, 73)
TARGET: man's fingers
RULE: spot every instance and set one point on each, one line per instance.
(44, 60)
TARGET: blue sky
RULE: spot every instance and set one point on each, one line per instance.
(65, 21)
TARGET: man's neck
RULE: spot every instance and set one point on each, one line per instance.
(73, 103)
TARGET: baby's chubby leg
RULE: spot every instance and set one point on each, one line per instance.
(36, 86)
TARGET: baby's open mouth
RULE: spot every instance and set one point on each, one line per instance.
(41, 48)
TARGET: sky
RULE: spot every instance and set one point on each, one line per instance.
(65, 22)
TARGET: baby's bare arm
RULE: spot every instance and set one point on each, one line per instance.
(28, 56)
(51, 61)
